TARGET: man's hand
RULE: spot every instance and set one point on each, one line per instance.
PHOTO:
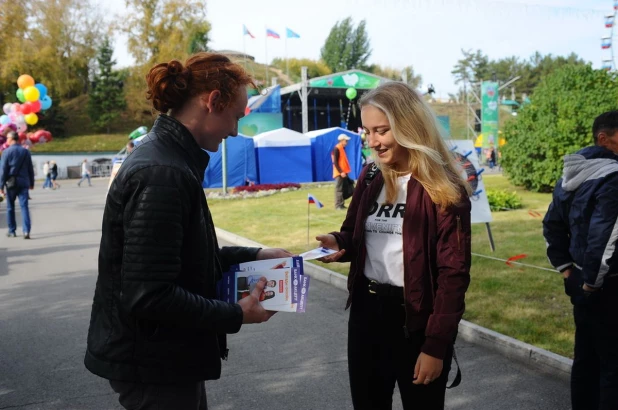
(343, 175)
(329, 241)
(589, 289)
(427, 369)
(273, 253)
(566, 273)
(252, 310)
(2, 192)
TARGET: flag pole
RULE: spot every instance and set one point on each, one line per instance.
(308, 206)
(266, 57)
(287, 65)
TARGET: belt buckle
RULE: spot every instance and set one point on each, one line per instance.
(373, 286)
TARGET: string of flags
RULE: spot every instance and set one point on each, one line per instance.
(289, 33)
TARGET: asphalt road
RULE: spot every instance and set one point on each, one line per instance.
(295, 361)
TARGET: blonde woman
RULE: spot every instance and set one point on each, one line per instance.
(407, 234)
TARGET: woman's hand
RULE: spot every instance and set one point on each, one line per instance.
(329, 241)
(427, 369)
(272, 253)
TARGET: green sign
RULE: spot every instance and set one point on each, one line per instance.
(356, 79)
(489, 113)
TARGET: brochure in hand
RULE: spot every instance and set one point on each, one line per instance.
(286, 287)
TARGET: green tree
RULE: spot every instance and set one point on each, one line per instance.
(106, 100)
(557, 122)
(473, 67)
(346, 47)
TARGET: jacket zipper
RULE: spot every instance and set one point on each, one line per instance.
(458, 230)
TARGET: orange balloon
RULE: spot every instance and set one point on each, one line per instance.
(24, 81)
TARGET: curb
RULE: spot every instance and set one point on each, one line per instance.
(532, 356)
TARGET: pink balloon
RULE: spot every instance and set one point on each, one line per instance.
(15, 107)
(22, 127)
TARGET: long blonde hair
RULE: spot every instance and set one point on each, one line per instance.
(414, 126)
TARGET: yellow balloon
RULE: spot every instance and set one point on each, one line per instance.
(31, 94)
(24, 81)
(31, 118)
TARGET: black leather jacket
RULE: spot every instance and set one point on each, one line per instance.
(155, 318)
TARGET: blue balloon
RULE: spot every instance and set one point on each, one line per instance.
(4, 119)
(46, 103)
(42, 90)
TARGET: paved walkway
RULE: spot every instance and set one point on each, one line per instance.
(293, 362)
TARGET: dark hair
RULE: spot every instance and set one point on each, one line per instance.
(131, 144)
(171, 84)
(607, 123)
(12, 135)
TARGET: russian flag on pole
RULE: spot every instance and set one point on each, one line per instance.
(245, 31)
(314, 200)
(271, 33)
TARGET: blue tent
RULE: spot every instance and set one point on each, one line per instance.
(240, 163)
(283, 155)
(322, 144)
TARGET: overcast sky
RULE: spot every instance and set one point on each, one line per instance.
(427, 34)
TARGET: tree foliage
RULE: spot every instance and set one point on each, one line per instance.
(476, 66)
(55, 44)
(106, 100)
(346, 46)
(557, 122)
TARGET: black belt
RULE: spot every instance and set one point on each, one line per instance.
(384, 290)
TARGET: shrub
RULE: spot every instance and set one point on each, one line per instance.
(501, 200)
(557, 122)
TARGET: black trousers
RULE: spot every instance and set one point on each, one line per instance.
(141, 396)
(594, 376)
(380, 355)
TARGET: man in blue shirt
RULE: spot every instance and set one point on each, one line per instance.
(16, 178)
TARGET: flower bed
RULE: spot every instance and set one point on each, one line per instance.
(254, 191)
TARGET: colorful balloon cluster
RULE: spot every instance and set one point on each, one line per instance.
(17, 116)
(33, 98)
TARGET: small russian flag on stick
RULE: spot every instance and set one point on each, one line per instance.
(314, 200)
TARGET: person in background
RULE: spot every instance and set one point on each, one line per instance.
(407, 236)
(157, 330)
(47, 173)
(54, 174)
(581, 231)
(85, 173)
(16, 179)
(130, 147)
(341, 169)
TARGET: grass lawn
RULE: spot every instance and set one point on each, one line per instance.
(524, 303)
(85, 143)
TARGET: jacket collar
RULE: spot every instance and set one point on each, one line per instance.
(175, 131)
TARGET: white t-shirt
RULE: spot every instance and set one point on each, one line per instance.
(383, 239)
(85, 168)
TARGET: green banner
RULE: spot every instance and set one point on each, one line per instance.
(354, 79)
(489, 113)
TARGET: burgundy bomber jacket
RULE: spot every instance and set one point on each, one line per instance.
(437, 256)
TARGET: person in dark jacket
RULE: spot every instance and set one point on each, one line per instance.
(16, 179)
(581, 230)
(157, 330)
(407, 236)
